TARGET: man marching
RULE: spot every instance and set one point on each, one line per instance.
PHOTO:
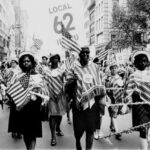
(88, 85)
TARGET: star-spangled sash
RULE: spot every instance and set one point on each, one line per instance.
(140, 84)
(54, 83)
(116, 83)
(86, 90)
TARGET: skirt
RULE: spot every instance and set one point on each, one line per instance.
(58, 106)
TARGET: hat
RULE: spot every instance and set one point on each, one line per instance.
(26, 53)
(139, 53)
(44, 57)
(14, 59)
(113, 64)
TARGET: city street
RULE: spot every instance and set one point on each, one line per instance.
(129, 141)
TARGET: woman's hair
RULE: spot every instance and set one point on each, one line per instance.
(33, 62)
(52, 57)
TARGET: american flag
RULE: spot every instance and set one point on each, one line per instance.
(103, 53)
(67, 41)
(70, 61)
(19, 91)
(37, 43)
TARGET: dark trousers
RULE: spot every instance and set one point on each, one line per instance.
(84, 121)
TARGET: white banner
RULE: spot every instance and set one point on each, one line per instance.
(71, 14)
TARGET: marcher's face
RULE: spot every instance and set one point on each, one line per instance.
(13, 64)
(44, 60)
(84, 55)
(113, 70)
(55, 61)
(27, 63)
(141, 63)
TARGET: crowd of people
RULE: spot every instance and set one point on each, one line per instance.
(46, 91)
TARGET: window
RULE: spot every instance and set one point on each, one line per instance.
(0, 24)
(96, 25)
(92, 39)
(0, 8)
(100, 38)
(101, 22)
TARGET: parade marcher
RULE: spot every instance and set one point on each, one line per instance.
(138, 87)
(57, 103)
(44, 60)
(14, 114)
(25, 94)
(114, 81)
(100, 113)
(85, 75)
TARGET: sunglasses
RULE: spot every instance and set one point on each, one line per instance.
(85, 52)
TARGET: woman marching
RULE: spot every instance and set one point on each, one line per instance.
(85, 77)
(57, 105)
(24, 92)
(138, 87)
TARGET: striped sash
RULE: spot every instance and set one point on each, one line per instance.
(140, 85)
(118, 92)
(55, 84)
(87, 90)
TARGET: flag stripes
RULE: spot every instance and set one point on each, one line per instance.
(103, 53)
(70, 44)
(118, 93)
(141, 86)
(37, 43)
(67, 41)
(55, 85)
(87, 91)
(18, 93)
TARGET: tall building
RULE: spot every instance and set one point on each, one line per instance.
(24, 28)
(86, 18)
(92, 16)
(7, 19)
(21, 19)
(103, 19)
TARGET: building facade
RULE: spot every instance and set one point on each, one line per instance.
(7, 19)
(21, 21)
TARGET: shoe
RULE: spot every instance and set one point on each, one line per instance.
(53, 142)
(18, 136)
(59, 133)
(69, 122)
(112, 129)
(118, 137)
(13, 135)
(100, 134)
(96, 135)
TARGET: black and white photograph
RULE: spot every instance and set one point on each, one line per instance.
(74, 74)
